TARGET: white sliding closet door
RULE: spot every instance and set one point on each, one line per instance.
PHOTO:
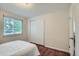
(37, 31)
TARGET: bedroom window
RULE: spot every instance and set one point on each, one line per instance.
(12, 26)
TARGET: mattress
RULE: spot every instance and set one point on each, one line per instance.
(18, 48)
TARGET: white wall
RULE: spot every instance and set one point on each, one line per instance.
(56, 29)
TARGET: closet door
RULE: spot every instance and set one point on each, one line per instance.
(37, 31)
(57, 31)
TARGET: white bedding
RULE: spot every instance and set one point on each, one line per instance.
(18, 48)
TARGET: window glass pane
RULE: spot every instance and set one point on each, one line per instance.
(18, 26)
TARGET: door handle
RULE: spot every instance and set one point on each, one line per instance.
(71, 38)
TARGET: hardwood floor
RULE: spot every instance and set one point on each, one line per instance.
(44, 51)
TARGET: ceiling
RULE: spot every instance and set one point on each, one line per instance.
(36, 9)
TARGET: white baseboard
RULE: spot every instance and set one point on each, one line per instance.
(58, 49)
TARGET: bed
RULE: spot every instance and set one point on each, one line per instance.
(18, 48)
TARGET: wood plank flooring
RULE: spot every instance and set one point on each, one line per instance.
(44, 51)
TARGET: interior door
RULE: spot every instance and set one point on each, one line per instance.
(37, 31)
(72, 37)
(72, 31)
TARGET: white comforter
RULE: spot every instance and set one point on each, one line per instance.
(18, 48)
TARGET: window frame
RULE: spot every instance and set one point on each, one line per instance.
(15, 34)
